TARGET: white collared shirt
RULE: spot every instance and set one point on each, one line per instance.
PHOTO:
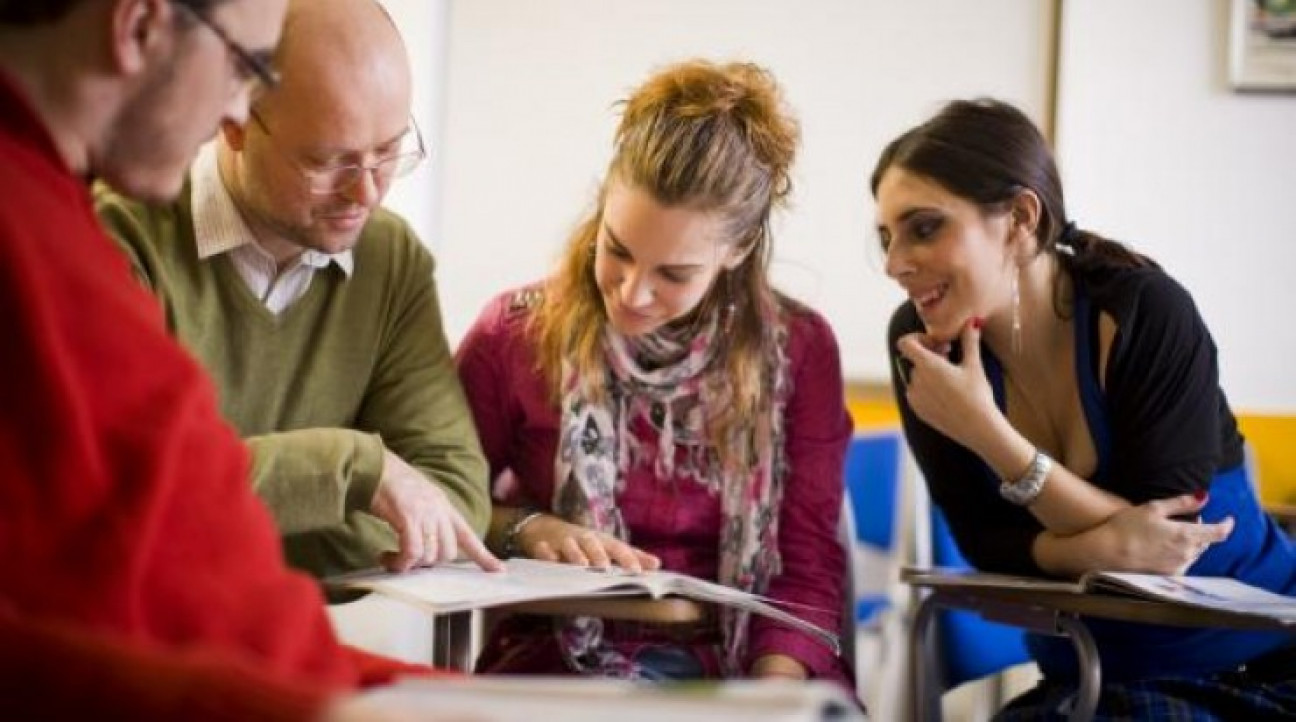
(219, 228)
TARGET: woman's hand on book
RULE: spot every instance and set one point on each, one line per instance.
(552, 539)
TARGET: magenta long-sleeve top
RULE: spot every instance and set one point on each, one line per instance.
(675, 518)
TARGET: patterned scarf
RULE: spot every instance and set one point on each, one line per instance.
(666, 379)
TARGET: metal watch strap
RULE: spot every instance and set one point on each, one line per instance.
(1024, 491)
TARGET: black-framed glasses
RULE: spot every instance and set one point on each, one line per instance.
(340, 178)
(254, 67)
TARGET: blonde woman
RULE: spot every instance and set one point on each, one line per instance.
(656, 403)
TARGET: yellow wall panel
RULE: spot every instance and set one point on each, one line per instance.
(1272, 439)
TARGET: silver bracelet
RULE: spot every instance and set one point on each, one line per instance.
(1024, 491)
(524, 517)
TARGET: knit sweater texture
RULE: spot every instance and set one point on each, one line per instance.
(356, 365)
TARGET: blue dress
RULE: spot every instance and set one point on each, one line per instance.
(1166, 672)
(1161, 427)
(1257, 552)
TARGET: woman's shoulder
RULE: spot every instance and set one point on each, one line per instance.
(505, 316)
(1140, 295)
(809, 335)
(512, 306)
(801, 320)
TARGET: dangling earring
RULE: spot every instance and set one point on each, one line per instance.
(1016, 312)
(729, 309)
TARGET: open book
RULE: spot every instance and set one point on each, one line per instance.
(586, 699)
(1219, 593)
(463, 586)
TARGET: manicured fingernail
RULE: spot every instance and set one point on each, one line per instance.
(1201, 495)
(978, 322)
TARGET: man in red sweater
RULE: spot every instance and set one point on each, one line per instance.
(142, 578)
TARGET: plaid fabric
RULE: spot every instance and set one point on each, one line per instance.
(1217, 698)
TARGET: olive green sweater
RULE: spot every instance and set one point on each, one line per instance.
(357, 364)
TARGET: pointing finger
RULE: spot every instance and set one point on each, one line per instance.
(474, 549)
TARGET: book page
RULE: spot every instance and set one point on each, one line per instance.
(461, 586)
(1223, 593)
(705, 591)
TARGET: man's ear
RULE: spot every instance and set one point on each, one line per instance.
(139, 29)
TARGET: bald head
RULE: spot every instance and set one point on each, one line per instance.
(344, 103)
(341, 57)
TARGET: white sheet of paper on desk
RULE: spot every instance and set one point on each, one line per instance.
(1218, 593)
(1212, 592)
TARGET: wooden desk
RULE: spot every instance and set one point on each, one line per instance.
(1050, 612)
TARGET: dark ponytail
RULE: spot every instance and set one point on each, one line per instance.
(1081, 252)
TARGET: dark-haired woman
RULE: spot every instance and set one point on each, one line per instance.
(1061, 395)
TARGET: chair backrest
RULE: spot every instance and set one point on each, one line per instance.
(970, 647)
(872, 529)
(873, 474)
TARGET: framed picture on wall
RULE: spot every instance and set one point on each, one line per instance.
(1262, 45)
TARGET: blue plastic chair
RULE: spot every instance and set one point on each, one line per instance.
(969, 647)
(872, 476)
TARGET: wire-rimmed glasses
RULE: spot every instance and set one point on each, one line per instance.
(335, 179)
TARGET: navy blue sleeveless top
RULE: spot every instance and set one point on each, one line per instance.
(1257, 552)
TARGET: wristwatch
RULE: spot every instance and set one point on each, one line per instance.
(1023, 491)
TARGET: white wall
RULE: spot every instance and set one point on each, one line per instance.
(529, 117)
(1157, 150)
(517, 97)
(423, 25)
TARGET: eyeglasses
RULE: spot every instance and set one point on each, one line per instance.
(340, 178)
(253, 68)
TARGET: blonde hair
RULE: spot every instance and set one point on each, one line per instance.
(710, 137)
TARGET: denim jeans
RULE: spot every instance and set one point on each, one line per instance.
(668, 662)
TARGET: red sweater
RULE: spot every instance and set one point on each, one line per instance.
(126, 513)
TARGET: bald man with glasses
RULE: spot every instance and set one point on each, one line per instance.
(314, 309)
